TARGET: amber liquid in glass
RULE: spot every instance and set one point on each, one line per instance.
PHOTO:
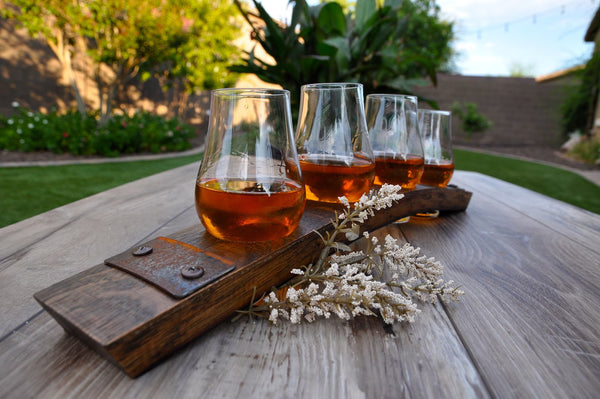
(403, 172)
(326, 179)
(249, 211)
(437, 174)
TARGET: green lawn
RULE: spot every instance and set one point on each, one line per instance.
(28, 191)
(551, 181)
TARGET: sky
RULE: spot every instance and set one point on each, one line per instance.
(495, 38)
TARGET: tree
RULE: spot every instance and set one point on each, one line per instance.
(51, 19)
(578, 108)
(520, 70)
(203, 61)
(389, 48)
(427, 35)
(126, 38)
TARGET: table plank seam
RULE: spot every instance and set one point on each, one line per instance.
(468, 351)
(50, 233)
(150, 235)
(17, 328)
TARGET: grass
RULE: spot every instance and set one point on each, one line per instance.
(548, 180)
(28, 191)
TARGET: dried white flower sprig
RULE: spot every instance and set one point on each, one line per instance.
(382, 281)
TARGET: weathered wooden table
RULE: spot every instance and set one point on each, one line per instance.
(529, 325)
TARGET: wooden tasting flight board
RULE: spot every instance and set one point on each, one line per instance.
(134, 323)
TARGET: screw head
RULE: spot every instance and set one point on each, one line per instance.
(142, 251)
(192, 272)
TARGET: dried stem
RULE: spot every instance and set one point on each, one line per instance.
(343, 283)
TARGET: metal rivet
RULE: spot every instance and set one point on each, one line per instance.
(142, 251)
(192, 272)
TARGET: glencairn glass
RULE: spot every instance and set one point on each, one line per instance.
(332, 142)
(395, 139)
(436, 134)
(249, 185)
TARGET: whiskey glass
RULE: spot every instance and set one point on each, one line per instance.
(332, 142)
(395, 139)
(436, 134)
(249, 185)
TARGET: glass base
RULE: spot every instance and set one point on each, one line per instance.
(402, 220)
(432, 214)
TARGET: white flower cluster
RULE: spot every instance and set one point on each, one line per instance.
(366, 207)
(345, 291)
(422, 275)
(352, 283)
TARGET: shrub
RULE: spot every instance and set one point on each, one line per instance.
(80, 134)
(587, 150)
(472, 120)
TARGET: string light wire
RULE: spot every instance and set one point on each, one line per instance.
(536, 17)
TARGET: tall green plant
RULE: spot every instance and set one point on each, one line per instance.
(384, 47)
(577, 110)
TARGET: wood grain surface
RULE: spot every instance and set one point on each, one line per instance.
(134, 323)
(528, 326)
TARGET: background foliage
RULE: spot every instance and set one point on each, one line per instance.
(472, 121)
(80, 134)
(579, 105)
(183, 42)
(388, 48)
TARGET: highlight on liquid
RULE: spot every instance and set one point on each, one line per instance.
(328, 177)
(246, 210)
(405, 172)
(439, 174)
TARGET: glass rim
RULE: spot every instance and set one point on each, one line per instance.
(392, 95)
(258, 92)
(435, 111)
(332, 86)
